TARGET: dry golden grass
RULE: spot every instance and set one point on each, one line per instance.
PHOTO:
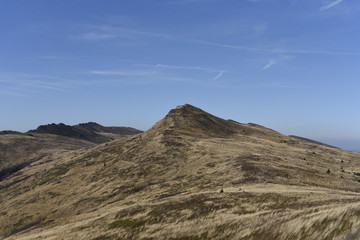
(165, 184)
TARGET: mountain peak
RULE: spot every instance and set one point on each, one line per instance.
(193, 121)
(185, 110)
(186, 106)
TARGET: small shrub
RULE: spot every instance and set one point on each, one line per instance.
(211, 164)
(53, 194)
(126, 223)
(328, 171)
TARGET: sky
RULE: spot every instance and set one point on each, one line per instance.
(290, 65)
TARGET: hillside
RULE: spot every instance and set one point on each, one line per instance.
(191, 176)
(90, 131)
(18, 150)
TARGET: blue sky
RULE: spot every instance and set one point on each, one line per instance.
(289, 65)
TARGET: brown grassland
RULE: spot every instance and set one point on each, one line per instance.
(165, 184)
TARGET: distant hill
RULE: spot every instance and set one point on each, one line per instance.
(10, 132)
(193, 176)
(18, 150)
(90, 131)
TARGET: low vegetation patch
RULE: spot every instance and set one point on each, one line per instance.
(53, 194)
(126, 223)
(211, 164)
(201, 237)
(103, 238)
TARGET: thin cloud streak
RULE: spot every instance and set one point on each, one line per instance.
(109, 32)
(94, 36)
(183, 67)
(229, 46)
(218, 76)
(161, 71)
(180, 2)
(282, 86)
(123, 73)
(35, 81)
(274, 50)
(219, 71)
(269, 64)
(332, 4)
(70, 58)
(35, 84)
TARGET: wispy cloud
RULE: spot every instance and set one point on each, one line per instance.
(155, 72)
(34, 84)
(229, 46)
(178, 2)
(68, 58)
(274, 85)
(219, 75)
(270, 63)
(123, 73)
(95, 36)
(316, 52)
(105, 32)
(330, 5)
(120, 30)
(279, 59)
(185, 67)
(33, 81)
(219, 72)
(275, 50)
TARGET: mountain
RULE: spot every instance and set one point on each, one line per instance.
(18, 150)
(191, 176)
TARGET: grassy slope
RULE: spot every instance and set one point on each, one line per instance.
(19, 150)
(165, 184)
